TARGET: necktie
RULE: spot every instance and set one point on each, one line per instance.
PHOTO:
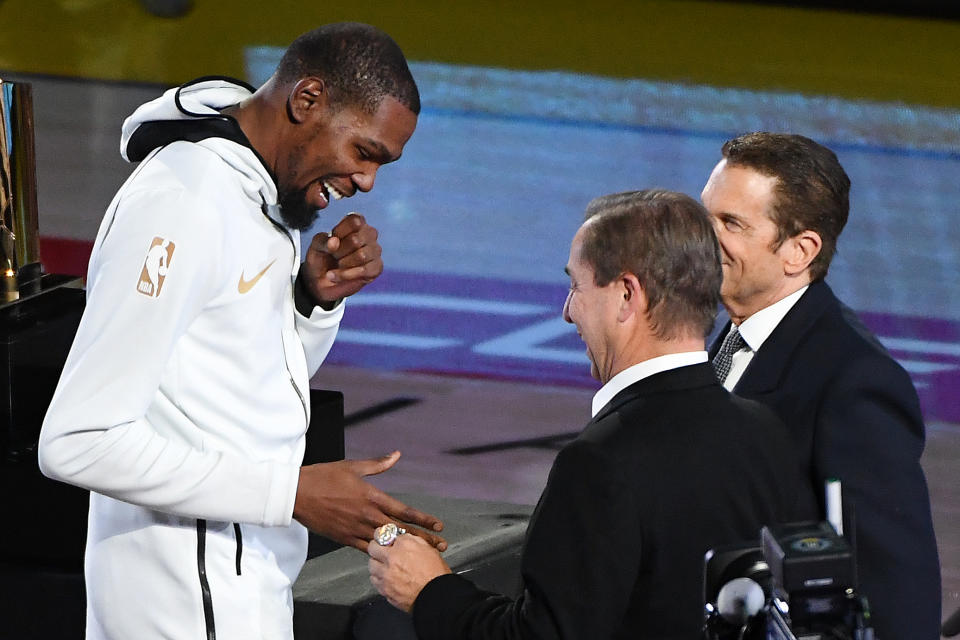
(732, 343)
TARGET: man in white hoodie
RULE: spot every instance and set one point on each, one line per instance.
(182, 405)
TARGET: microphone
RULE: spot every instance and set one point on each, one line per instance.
(739, 600)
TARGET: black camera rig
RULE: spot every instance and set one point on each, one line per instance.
(800, 584)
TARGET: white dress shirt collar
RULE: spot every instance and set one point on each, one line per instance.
(758, 327)
(755, 330)
(642, 370)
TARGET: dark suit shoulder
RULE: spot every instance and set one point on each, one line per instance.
(826, 342)
(705, 430)
(841, 329)
(660, 418)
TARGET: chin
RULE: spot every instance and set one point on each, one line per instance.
(296, 212)
(301, 220)
(595, 373)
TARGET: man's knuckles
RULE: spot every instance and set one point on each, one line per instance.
(350, 223)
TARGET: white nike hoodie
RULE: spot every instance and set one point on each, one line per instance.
(183, 403)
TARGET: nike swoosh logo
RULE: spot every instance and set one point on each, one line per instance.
(244, 286)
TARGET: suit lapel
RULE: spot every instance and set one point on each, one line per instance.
(768, 364)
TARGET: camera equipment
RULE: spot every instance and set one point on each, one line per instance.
(798, 585)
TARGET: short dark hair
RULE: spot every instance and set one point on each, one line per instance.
(812, 189)
(667, 241)
(360, 64)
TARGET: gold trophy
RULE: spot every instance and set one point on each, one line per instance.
(39, 312)
(39, 315)
(19, 226)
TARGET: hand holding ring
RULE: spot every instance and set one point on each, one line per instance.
(387, 533)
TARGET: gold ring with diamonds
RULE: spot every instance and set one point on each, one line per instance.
(387, 533)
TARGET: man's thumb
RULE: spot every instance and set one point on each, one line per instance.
(381, 464)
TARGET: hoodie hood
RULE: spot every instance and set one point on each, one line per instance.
(191, 113)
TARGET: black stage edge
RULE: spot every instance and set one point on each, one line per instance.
(42, 540)
(324, 444)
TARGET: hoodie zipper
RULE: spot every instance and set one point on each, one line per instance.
(286, 363)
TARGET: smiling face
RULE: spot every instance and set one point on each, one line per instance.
(593, 310)
(335, 153)
(740, 202)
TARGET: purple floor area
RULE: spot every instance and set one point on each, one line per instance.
(484, 327)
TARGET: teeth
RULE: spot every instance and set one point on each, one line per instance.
(336, 195)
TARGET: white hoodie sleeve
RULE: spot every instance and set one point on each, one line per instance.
(96, 434)
(318, 333)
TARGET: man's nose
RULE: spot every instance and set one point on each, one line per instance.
(719, 231)
(364, 179)
(566, 308)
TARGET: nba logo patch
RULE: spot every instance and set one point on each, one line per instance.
(155, 267)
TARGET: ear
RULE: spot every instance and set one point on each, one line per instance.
(308, 97)
(799, 251)
(634, 300)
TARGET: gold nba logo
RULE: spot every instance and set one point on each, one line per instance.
(155, 267)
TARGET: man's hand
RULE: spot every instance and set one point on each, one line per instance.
(334, 501)
(401, 570)
(342, 262)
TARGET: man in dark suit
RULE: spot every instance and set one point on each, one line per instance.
(779, 203)
(670, 465)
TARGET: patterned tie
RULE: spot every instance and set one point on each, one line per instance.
(732, 343)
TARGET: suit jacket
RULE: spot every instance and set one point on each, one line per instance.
(854, 415)
(674, 465)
